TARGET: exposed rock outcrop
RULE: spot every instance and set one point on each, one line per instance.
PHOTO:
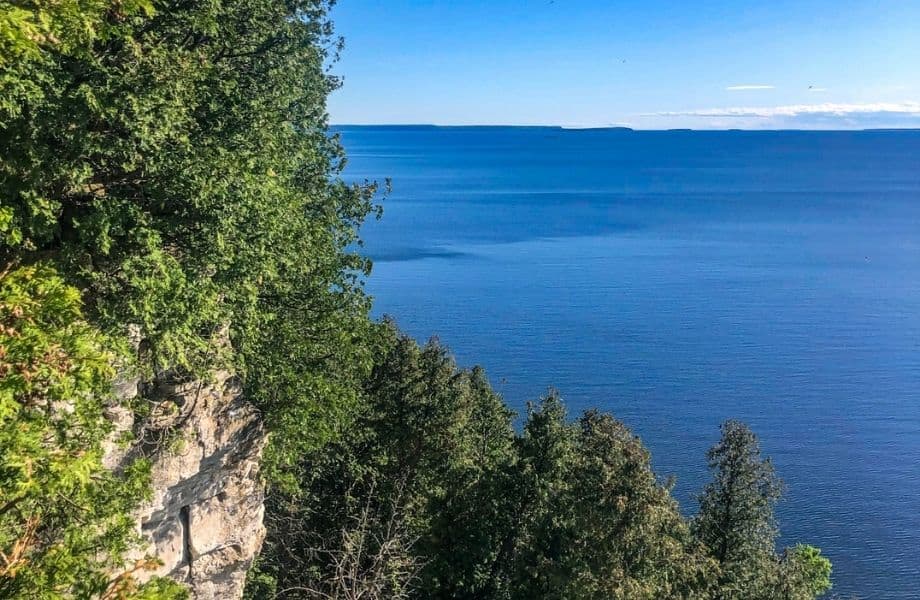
(204, 520)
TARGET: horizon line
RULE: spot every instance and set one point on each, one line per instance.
(613, 127)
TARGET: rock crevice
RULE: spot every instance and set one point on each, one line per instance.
(204, 519)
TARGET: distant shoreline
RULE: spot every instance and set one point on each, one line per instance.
(424, 126)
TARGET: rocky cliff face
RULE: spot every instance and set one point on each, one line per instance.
(204, 521)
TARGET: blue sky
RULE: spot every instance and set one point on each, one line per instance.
(649, 64)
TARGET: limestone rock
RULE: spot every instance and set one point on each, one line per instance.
(204, 521)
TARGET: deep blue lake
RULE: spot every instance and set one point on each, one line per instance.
(677, 279)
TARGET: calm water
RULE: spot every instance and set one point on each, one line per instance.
(678, 279)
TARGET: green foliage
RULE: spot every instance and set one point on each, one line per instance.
(736, 523)
(592, 521)
(304, 363)
(172, 161)
(430, 493)
(29, 30)
(64, 522)
(424, 433)
(736, 518)
(470, 517)
(172, 158)
(804, 573)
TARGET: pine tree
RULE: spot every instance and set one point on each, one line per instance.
(737, 525)
(736, 520)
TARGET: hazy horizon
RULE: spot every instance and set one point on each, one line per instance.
(625, 127)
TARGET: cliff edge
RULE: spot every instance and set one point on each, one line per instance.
(204, 519)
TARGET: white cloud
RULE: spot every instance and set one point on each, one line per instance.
(741, 88)
(911, 109)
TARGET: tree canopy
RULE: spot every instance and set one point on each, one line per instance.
(433, 493)
(165, 168)
(172, 160)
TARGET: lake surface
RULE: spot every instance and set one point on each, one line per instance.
(677, 279)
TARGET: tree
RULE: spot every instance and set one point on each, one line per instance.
(471, 516)
(627, 538)
(400, 479)
(736, 523)
(430, 493)
(804, 573)
(527, 565)
(172, 159)
(64, 518)
(597, 523)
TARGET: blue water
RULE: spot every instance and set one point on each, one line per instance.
(678, 279)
